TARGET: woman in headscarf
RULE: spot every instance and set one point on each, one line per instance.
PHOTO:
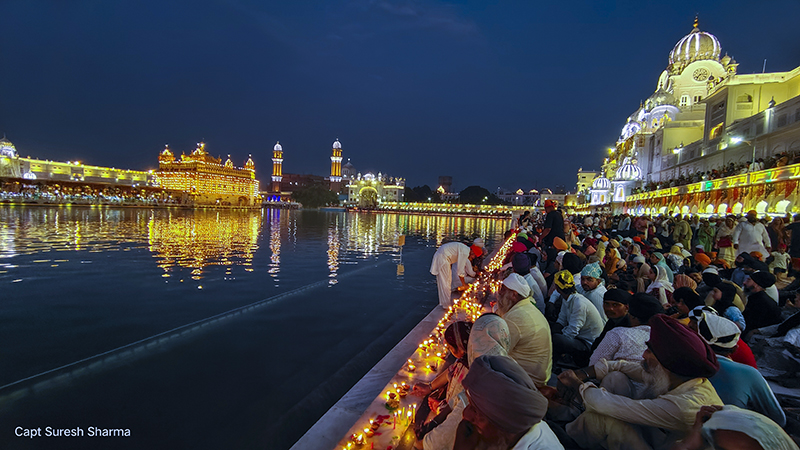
(724, 241)
(674, 258)
(657, 259)
(601, 249)
(489, 336)
(682, 280)
(776, 233)
(733, 427)
(610, 263)
(550, 265)
(456, 337)
(636, 250)
(643, 278)
(705, 235)
(724, 295)
(660, 287)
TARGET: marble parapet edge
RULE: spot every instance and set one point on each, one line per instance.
(337, 421)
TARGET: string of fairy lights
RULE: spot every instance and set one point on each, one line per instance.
(426, 361)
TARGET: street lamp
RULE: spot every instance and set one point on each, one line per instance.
(737, 140)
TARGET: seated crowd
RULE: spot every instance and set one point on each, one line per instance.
(619, 333)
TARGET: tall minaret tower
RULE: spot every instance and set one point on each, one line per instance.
(277, 171)
(336, 167)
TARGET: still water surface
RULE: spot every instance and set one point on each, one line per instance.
(84, 291)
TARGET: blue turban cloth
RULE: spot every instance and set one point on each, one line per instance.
(592, 270)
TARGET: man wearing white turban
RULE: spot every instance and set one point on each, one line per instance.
(530, 341)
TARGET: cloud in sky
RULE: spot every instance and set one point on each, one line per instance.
(422, 15)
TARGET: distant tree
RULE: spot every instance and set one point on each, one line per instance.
(315, 195)
(426, 194)
(476, 195)
(410, 195)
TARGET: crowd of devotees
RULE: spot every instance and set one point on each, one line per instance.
(619, 332)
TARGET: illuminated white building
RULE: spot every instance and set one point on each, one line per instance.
(702, 116)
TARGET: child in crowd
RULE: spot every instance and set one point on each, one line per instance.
(780, 262)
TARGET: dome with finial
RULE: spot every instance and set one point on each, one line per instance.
(278, 147)
(229, 163)
(697, 45)
(659, 98)
(250, 165)
(601, 183)
(166, 155)
(7, 149)
(628, 171)
(337, 144)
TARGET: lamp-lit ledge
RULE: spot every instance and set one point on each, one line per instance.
(343, 416)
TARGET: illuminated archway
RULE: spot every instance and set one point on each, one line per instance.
(368, 198)
(685, 209)
(783, 206)
(761, 207)
(737, 208)
(710, 209)
(723, 209)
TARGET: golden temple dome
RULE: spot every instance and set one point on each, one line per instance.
(695, 46)
(250, 165)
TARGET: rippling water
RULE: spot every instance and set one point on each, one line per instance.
(202, 329)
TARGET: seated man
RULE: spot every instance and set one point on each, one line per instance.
(737, 384)
(504, 409)
(529, 343)
(616, 306)
(761, 310)
(593, 288)
(578, 324)
(675, 369)
(628, 343)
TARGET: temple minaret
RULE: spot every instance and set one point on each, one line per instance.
(277, 171)
(336, 167)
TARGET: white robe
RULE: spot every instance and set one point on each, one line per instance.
(447, 255)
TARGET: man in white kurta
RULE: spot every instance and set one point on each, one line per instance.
(447, 255)
(530, 342)
(751, 235)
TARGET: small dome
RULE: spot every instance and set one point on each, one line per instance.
(250, 165)
(660, 98)
(229, 163)
(166, 155)
(278, 147)
(601, 183)
(697, 45)
(7, 149)
(628, 171)
(337, 144)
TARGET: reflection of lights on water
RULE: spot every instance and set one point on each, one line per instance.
(333, 252)
(199, 240)
(275, 242)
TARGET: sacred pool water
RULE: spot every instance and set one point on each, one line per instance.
(201, 329)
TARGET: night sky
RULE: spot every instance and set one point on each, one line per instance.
(510, 94)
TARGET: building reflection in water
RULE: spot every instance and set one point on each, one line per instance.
(333, 250)
(368, 234)
(274, 217)
(194, 240)
(202, 239)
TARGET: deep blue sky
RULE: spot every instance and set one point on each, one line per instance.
(511, 94)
